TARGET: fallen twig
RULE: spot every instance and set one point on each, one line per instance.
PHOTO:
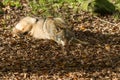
(114, 24)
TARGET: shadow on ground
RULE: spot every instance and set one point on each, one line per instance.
(46, 57)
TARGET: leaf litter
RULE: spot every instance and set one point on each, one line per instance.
(30, 59)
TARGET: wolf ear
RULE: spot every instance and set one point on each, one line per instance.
(59, 22)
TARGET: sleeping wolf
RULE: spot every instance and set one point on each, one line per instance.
(40, 28)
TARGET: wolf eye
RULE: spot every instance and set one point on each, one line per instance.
(25, 33)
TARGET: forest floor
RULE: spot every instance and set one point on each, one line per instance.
(25, 58)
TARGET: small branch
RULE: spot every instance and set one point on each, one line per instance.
(114, 24)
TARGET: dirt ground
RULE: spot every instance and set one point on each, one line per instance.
(25, 58)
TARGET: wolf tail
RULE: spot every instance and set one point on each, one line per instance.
(77, 41)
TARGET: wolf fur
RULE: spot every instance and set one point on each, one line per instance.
(49, 28)
(41, 28)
